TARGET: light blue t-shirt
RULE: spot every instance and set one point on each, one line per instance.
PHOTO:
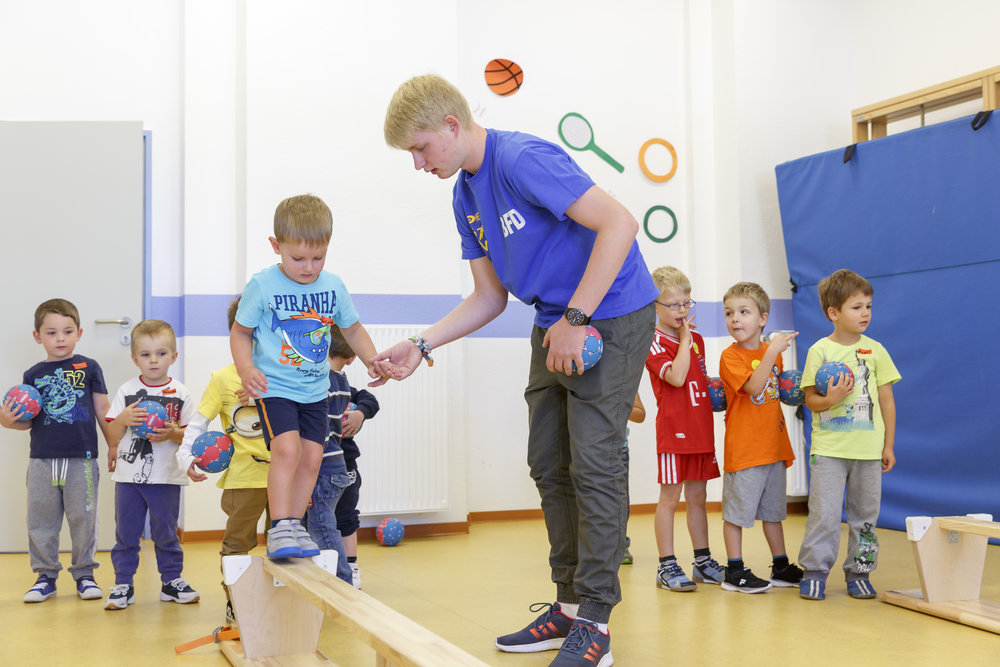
(291, 324)
(513, 211)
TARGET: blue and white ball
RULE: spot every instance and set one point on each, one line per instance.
(389, 532)
(831, 370)
(593, 348)
(156, 417)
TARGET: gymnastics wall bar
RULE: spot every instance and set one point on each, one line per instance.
(951, 553)
(280, 606)
(870, 122)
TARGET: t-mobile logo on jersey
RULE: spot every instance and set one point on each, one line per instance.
(510, 221)
(695, 393)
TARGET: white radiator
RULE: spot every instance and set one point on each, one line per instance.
(404, 448)
(797, 482)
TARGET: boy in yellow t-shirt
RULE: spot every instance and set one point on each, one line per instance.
(757, 447)
(853, 438)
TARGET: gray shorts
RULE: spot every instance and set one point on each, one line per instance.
(754, 493)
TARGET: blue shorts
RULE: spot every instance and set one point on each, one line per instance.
(280, 415)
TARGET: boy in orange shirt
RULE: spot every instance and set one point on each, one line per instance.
(757, 447)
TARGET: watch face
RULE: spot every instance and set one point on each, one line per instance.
(575, 316)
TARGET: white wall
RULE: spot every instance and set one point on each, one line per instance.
(250, 102)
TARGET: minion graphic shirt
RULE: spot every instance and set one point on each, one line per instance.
(291, 323)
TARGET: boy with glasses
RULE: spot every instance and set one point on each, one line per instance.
(685, 431)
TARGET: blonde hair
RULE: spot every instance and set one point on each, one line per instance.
(672, 278)
(421, 104)
(305, 219)
(839, 286)
(154, 328)
(752, 291)
(57, 307)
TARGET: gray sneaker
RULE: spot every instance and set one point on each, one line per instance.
(306, 543)
(281, 542)
(708, 571)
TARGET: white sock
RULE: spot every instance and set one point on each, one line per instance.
(569, 609)
(603, 627)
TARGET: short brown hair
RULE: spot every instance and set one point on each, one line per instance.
(839, 286)
(59, 307)
(153, 328)
(421, 104)
(339, 347)
(669, 277)
(231, 312)
(303, 218)
(752, 291)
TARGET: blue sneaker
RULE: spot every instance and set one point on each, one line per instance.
(585, 646)
(708, 571)
(812, 589)
(88, 589)
(281, 542)
(545, 633)
(670, 576)
(861, 589)
(43, 589)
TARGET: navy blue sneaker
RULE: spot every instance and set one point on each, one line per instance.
(861, 589)
(545, 633)
(812, 589)
(585, 646)
(43, 589)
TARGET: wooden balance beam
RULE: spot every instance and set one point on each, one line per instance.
(951, 553)
(280, 605)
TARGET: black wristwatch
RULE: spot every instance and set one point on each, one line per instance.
(576, 317)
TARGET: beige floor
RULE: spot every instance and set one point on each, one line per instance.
(470, 588)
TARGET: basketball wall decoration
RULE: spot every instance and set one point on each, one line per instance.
(504, 77)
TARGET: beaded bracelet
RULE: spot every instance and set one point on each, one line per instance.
(424, 347)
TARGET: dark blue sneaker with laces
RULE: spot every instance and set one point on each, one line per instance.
(43, 589)
(545, 633)
(585, 646)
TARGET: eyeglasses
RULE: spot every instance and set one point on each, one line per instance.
(677, 306)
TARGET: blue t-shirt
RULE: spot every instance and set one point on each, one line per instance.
(513, 211)
(66, 427)
(291, 324)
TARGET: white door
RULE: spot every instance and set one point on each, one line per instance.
(71, 219)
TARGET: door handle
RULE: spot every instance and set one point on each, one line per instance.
(123, 322)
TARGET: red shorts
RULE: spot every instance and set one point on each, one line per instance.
(677, 468)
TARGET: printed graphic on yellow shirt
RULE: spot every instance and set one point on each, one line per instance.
(857, 411)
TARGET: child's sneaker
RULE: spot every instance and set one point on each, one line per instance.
(355, 575)
(88, 589)
(545, 633)
(281, 542)
(861, 589)
(744, 581)
(812, 589)
(230, 614)
(121, 596)
(306, 544)
(670, 576)
(627, 557)
(786, 577)
(44, 588)
(708, 571)
(585, 646)
(178, 591)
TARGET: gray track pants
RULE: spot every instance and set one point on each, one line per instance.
(829, 478)
(57, 487)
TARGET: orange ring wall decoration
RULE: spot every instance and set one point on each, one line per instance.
(657, 178)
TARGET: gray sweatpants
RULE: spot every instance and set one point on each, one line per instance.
(829, 478)
(576, 431)
(57, 487)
